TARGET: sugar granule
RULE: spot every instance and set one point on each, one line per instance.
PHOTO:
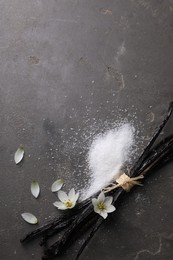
(106, 156)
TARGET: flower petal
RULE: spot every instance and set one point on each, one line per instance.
(59, 205)
(96, 209)
(71, 194)
(94, 202)
(110, 209)
(19, 154)
(35, 189)
(30, 218)
(104, 214)
(101, 197)
(76, 197)
(108, 200)
(62, 196)
(57, 185)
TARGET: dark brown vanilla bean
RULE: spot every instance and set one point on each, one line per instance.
(139, 162)
(58, 246)
(158, 153)
(56, 222)
(91, 234)
(54, 230)
(84, 215)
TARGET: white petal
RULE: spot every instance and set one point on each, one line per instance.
(19, 154)
(59, 205)
(96, 209)
(35, 189)
(76, 197)
(30, 218)
(94, 202)
(57, 185)
(62, 196)
(104, 214)
(71, 194)
(101, 197)
(110, 209)
(108, 201)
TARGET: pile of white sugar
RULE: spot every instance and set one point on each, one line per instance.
(106, 156)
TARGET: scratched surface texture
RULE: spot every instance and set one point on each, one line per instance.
(70, 69)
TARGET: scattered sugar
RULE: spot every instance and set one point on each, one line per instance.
(107, 155)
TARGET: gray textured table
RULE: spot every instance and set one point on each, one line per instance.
(68, 69)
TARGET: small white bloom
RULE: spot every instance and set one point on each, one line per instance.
(66, 201)
(102, 205)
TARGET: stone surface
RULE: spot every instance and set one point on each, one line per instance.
(70, 69)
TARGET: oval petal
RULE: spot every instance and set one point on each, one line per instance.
(29, 218)
(71, 194)
(35, 189)
(62, 196)
(97, 210)
(57, 185)
(101, 197)
(108, 200)
(94, 201)
(76, 197)
(110, 209)
(19, 154)
(59, 205)
(104, 214)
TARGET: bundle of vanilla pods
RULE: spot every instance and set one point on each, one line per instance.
(83, 218)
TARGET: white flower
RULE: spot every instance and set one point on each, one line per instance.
(102, 205)
(66, 201)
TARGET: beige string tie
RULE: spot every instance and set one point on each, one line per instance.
(125, 182)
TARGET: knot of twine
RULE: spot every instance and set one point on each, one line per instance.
(125, 182)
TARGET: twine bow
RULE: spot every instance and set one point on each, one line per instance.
(125, 182)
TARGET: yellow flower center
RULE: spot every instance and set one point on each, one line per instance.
(101, 206)
(68, 204)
